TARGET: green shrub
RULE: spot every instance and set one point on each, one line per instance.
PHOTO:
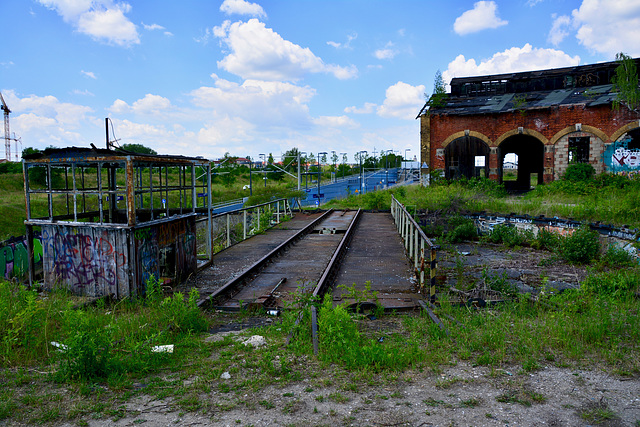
(510, 235)
(461, 229)
(184, 316)
(88, 355)
(375, 200)
(581, 247)
(617, 257)
(547, 240)
(579, 172)
(617, 283)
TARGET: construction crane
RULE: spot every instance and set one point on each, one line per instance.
(7, 133)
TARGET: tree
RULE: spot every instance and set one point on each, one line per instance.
(270, 159)
(439, 95)
(625, 83)
(30, 150)
(138, 148)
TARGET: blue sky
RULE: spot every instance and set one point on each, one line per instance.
(203, 77)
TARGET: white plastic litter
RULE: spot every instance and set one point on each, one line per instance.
(225, 376)
(162, 348)
(61, 347)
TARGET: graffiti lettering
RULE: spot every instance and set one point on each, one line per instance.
(87, 263)
(14, 258)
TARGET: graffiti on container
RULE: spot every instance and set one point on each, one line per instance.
(83, 261)
(14, 257)
(148, 260)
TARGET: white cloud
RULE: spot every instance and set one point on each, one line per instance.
(267, 103)
(242, 7)
(346, 45)
(119, 107)
(560, 29)
(89, 74)
(151, 104)
(152, 27)
(367, 108)
(609, 26)
(483, 16)
(402, 101)
(509, 61)
(335, 122)
(43, 121)
(102, 20)
(386, 53)
(260, 53)
(82, 92)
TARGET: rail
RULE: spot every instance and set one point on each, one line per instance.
(416, 243)
(233, 285)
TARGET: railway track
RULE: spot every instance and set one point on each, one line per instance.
(353, 248)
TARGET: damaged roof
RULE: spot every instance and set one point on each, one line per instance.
(588, 85)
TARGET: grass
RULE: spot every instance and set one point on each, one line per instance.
(596, 325)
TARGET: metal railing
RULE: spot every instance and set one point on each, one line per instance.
(416, 244)
(231, 227)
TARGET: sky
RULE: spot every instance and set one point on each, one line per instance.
(205, 77)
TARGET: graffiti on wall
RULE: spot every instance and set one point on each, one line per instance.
(618, 157)
(166, 250)
(14, 258)
(87, 261)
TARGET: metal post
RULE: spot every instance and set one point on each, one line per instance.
(299, 183)
(228, 232)
(314, 329)
(432, 276)
(244, 224)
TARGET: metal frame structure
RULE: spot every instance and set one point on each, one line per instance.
(111, 218)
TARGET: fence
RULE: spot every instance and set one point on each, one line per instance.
(416, 244)
(231, 227)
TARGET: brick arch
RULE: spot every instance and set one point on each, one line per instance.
(624, 129)
(529, 132)
(462, 133)
(585, 128)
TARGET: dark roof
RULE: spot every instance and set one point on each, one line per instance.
(588, 85)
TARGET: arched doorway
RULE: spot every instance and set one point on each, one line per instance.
(530, 154)
(467, 157)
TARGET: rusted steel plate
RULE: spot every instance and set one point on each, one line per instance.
(377, 255)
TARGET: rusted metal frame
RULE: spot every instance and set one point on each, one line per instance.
(49, 195)
(28, 228)
(100, 195)
(194, 198)
(232, 286)
(209, 220)
(338, 254)
(130, 176)
(66, 183)
(151, 191)
(75, 192)
(84, 200)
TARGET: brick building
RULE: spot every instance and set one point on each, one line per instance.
(546, 118)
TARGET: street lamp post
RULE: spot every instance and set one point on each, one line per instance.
(320, 173)
(250, 182)
(343, 154)
(264, 161)
(405, 162)
(361, 171)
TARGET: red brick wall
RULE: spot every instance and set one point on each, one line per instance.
(548, 122)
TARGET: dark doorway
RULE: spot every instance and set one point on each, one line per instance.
(463, 157)
(530, 167)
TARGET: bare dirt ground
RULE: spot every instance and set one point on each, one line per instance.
(458, 394)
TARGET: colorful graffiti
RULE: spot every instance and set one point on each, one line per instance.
(618, 157)
(14, 258)
(87, 263)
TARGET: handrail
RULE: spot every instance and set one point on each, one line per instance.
(416, 243)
